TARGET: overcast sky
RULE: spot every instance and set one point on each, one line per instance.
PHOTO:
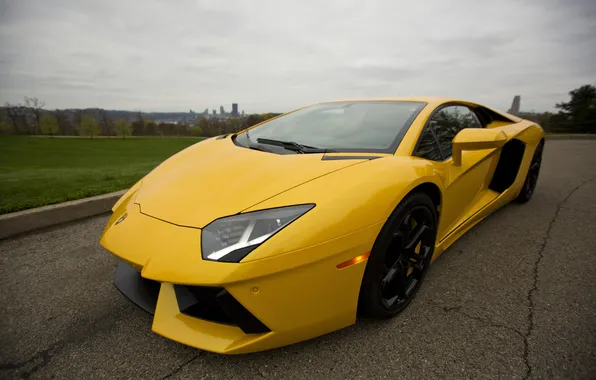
(276, 55)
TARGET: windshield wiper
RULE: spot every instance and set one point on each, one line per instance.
(293, 146)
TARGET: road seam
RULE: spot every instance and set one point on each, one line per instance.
(534, 288)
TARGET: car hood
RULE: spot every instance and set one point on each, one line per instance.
(216, 178)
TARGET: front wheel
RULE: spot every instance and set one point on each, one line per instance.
(400, 258)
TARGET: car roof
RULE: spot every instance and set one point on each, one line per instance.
(433, 101)
(426, 99)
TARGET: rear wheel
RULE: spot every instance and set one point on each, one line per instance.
(400, 258)
(532, 177)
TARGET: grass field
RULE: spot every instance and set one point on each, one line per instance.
(38, 171)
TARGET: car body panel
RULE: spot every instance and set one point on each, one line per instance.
(291, 282)
(177, 192)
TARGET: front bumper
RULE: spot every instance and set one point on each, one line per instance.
(209, 303)
(266, 303)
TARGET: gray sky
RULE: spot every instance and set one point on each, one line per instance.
(276, 55)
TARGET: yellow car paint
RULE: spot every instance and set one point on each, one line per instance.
(292, 282)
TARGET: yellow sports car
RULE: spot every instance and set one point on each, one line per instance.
(288, 230)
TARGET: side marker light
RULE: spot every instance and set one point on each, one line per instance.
(355, 260)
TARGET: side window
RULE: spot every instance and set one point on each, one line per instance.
(448, 122)
(428, 147)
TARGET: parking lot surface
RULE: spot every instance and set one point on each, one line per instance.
(514, 298)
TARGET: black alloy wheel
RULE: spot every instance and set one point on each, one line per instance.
(532, 177)
(400, 258)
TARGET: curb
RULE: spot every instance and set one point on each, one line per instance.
(33, 219)
(571, 137)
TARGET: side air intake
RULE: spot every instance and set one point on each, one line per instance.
(511, 158)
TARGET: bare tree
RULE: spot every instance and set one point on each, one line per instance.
(13, 114)
(35, 106)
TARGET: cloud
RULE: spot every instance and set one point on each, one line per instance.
(278, 55)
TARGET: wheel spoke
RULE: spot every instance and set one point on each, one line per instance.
(420, 262)
(413, 242)
(411, 287)
(396, 278)
(391, 301)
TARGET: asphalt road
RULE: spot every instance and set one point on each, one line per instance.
(514, 298)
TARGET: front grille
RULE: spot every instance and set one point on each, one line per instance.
(215, 304)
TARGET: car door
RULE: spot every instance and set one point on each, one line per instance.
(466, 186)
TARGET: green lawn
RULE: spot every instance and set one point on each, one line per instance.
(37, 171)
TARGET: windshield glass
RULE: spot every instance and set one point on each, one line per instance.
(343, 126)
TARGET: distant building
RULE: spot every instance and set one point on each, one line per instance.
(515, 105)
(234, 109)
(214, 113)
(222, 112)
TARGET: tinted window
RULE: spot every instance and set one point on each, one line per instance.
(448, 122)
(364, 126)
(428, 147)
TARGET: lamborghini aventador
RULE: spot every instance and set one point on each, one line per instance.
(290, 229)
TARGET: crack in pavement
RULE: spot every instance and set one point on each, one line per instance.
(530, 297)
(177, 369)
(458, 309)
(534, 288)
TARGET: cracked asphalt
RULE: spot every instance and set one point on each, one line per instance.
(515, 298)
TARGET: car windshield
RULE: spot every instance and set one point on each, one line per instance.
(366, 126)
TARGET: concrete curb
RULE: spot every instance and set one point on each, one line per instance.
(571, 137)
(29, 220)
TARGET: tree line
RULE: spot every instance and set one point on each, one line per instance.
(30, 118)
(578, 115)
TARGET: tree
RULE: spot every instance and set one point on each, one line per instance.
(66, 122)
(13, 115)
(579, 113)
(196, 131)
(107, 126)
(234, 125)
(150, 127)
(35, 106)
(89, 126)
(5, 127)
(49, 124)
(123, 128)
(138, 126)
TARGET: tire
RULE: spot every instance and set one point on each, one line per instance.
(400, 258)
(529, 186)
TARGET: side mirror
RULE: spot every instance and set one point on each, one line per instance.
(476, 139)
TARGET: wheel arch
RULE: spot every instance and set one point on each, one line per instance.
(430, 189)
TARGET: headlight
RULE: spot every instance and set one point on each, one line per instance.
(231, 238)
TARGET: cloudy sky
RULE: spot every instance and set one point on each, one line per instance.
(276, 55)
